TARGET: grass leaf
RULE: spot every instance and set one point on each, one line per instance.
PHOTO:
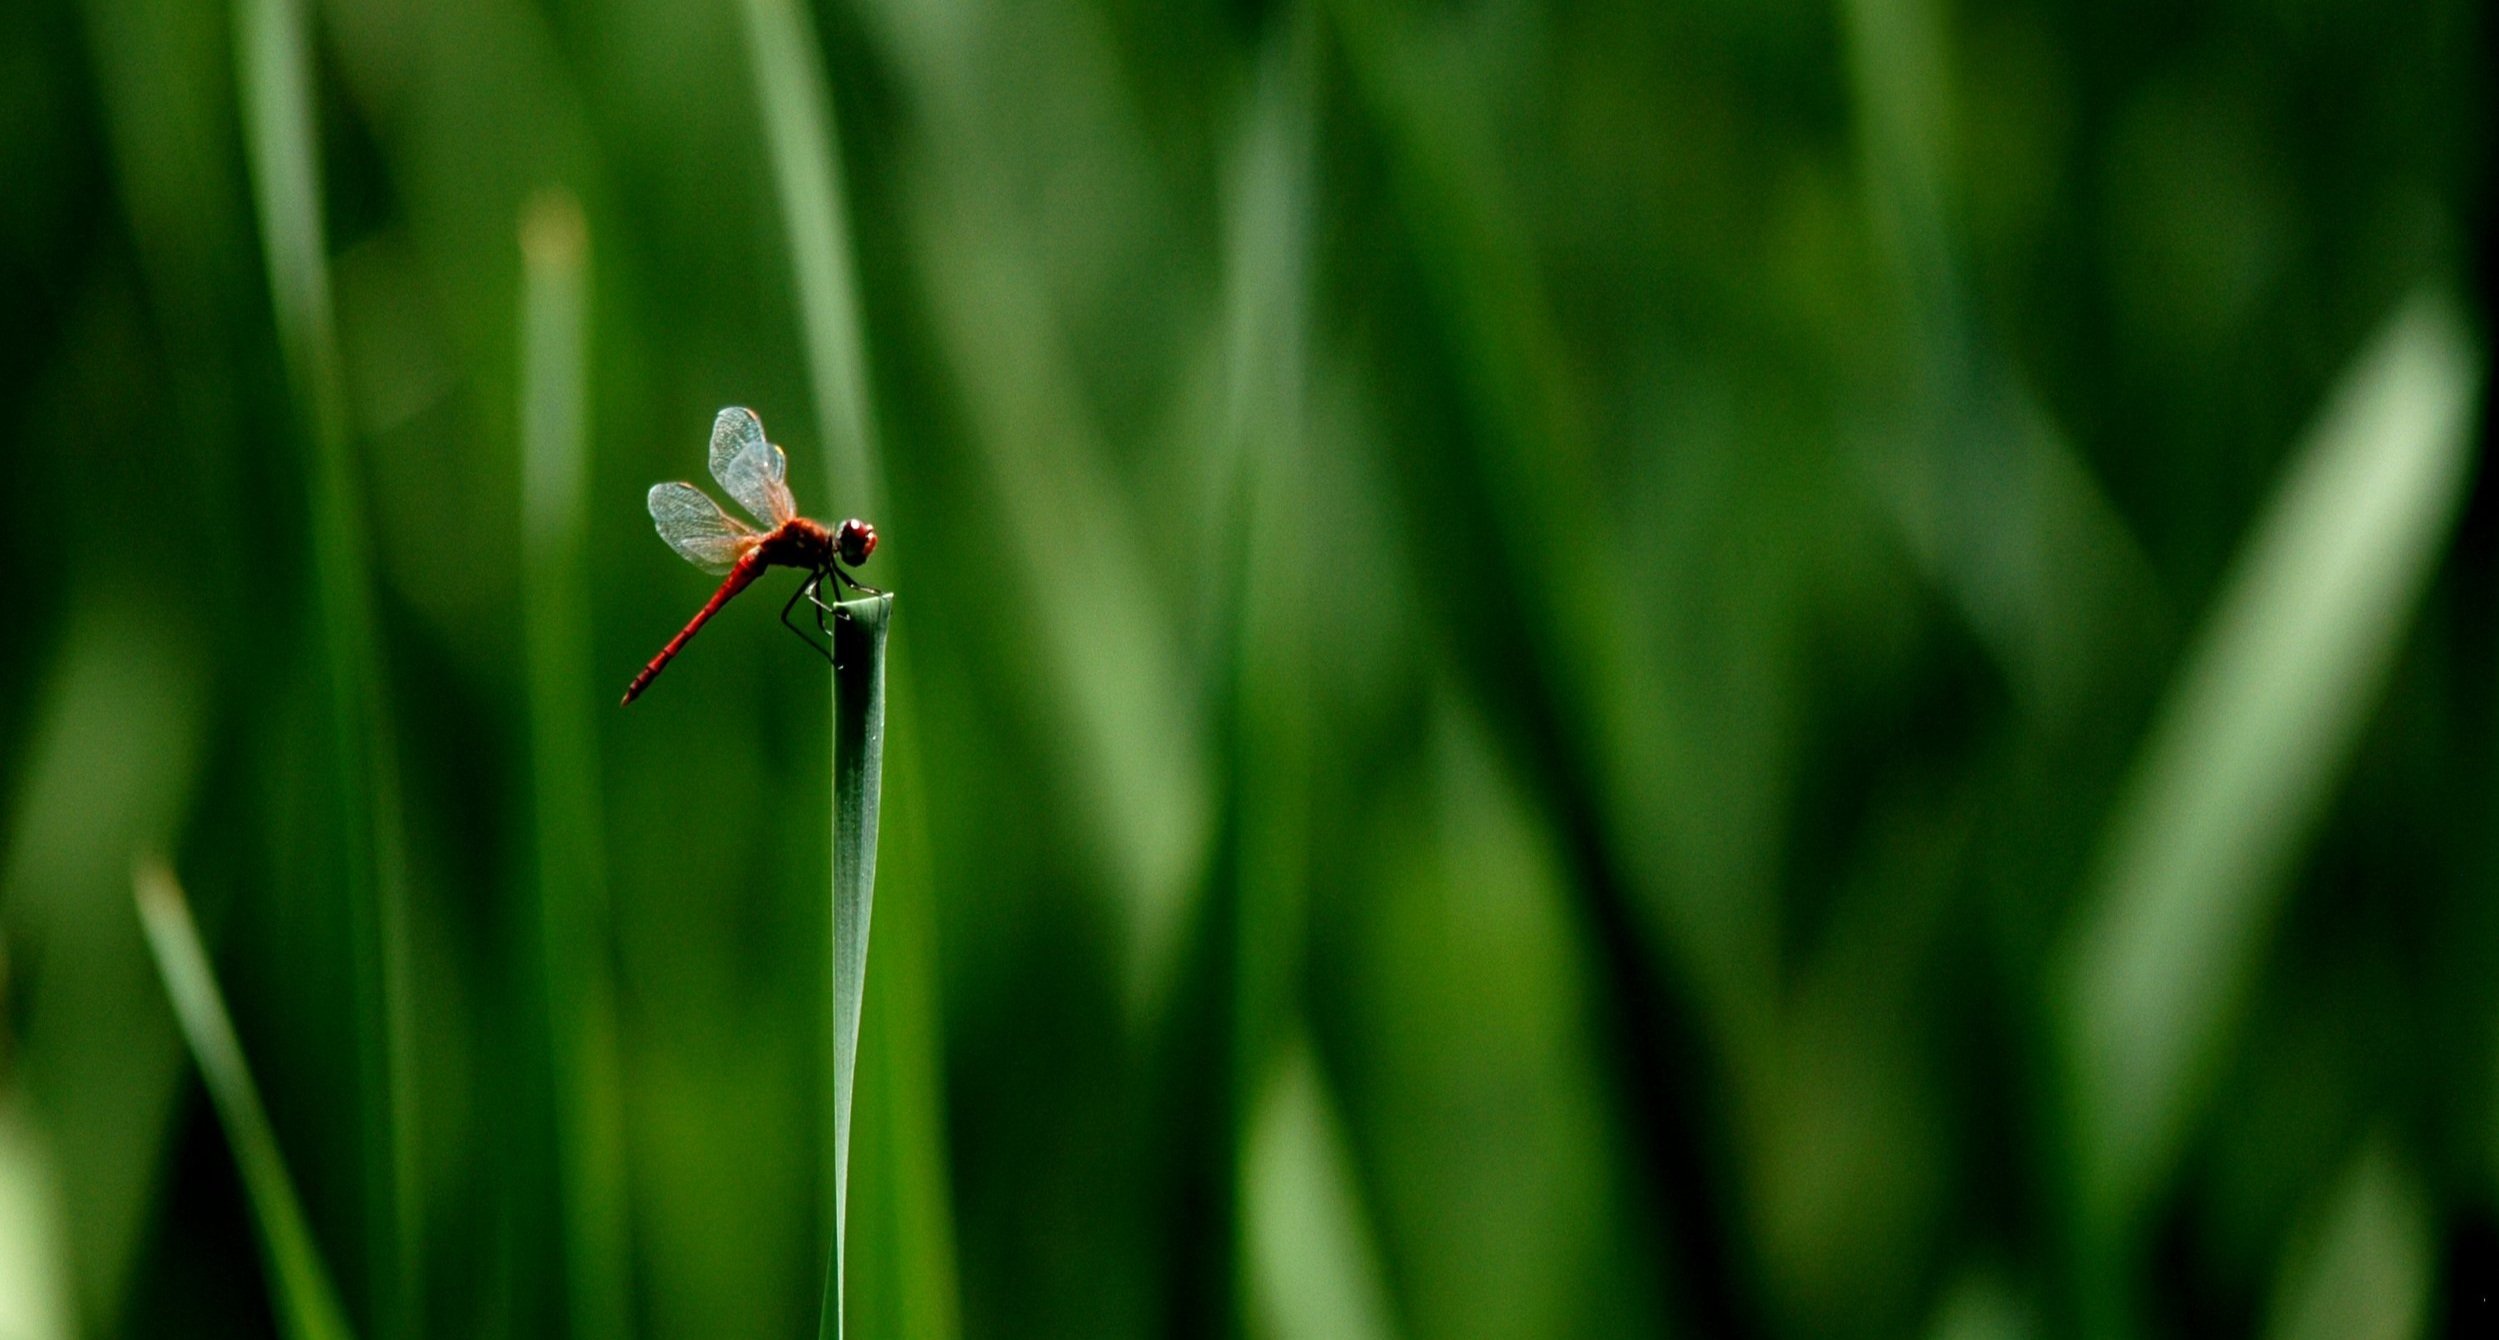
(110, 766)
(1260, 472)
(900, 1271)
(306, 1305)
(1129, 750)
(34, 1279)
(1315, 1267)
(2245, 752)
(858, 767)
(274, 74)
(911, 1286)
(572, 878)
(1981, 1307)
(2360, 1264)
(798, 121)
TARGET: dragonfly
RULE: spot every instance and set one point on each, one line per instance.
(751, 470)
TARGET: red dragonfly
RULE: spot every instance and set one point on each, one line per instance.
(751, 471)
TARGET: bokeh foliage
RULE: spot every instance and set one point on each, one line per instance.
(1722, 669)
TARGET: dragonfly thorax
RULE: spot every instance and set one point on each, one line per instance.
(798, 543)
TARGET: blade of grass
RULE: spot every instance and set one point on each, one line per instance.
(790, 89)
(1135, 766)
(1261, 452)
(1687, 972)
(1134, 760)
(2264, 713)
(858, 767)
(306, 1305)
(274, 72)
(1981, 1307)
(110, 767)
(1997, 508)
(1314, 1267)
(165, 87)
(34, 1278)
(572, 877)
(900, 1268)
(1263, 680)
(912, 1291)
(2359, 1266)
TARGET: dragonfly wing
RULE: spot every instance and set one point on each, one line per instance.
(750, 468)
(697, 529)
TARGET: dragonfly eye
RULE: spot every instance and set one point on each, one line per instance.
(857, 540)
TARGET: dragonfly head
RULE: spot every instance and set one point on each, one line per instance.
(855, 540)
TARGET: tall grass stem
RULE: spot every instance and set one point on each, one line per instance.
(1262, 476)
(797, 111)
(914, 1282)
(274, 76)
(858, 773)
(2260, 721)
(564, 763)
(299, 1287)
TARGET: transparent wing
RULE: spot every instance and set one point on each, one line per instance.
(749, 468)
(697, 529)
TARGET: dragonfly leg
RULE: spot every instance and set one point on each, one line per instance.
(854, 583)
(806, 588)
(815, 596)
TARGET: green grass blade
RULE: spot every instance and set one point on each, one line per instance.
(274, 74)
(858, 770)
(1129, 750)
(306, 1305)
(34, 1282)
(1314, 1267)
(2360, 1266)
(110, 766)
(900, 1268)
(911, 1288)
(798, 123)
(1998, 509)
(2264, 713)
(572, 878)
(1981, 1307)
(1264, 675)
(1261, 459)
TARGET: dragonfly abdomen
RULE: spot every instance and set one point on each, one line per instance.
(750, 565)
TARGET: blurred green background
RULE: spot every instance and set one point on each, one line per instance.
(1687, 668)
